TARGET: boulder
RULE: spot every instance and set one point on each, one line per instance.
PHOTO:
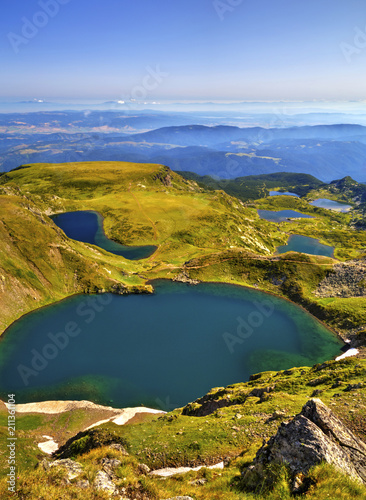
(143, 469)
(313, 436)
(73, 469)
(103, 482)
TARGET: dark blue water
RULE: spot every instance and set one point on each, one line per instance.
(87, 226)
(282, 215)
(304, 244)
(162, 350)
(331, 205)
(285, 193)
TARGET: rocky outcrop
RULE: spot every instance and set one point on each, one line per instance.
(183, 277)
(105, 479)
(86, 441)
(73, 469)
(164, 176)
(315, 435)
(344, 280)
(222, 399)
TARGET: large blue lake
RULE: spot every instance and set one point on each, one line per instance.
(283, 193)
(331, 205)
(162, 350)
(87, 227)
(304, 244)
(282, 215)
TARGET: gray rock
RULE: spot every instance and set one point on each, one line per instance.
(313, 436)
(143, 469)
(73, 469)
(353, 387)
(83, 484)
(104, 483)
(183, 277)
(118, 447)
(198, 482)
(110, 463)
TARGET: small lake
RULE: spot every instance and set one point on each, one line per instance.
(304, 244)
(87, 227)
(331, 205)
(285, 193)
(282, 215)
(162, 350)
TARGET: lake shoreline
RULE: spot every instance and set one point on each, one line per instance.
(100, 220)
(250, 296)
(335, 332)
(149, 283)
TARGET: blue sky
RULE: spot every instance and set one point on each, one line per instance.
(184, 49)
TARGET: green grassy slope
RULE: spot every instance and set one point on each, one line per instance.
(145, 203)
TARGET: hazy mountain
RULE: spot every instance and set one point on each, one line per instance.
(327, 151)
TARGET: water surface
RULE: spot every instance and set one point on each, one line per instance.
(304, 244)
(87, 226)
(282, 215)
(331, 205)
(285, 193)
(162, 350)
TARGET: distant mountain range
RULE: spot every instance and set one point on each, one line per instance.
(324, 151)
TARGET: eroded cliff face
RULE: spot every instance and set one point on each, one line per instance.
(313, 436)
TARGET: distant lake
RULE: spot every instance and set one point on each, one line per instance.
(282, 215)
(304, 244)
(162, 350)
(331, 205)
(286, 193)
(87, 227)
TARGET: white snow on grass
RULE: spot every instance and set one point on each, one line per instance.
(347, 354)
